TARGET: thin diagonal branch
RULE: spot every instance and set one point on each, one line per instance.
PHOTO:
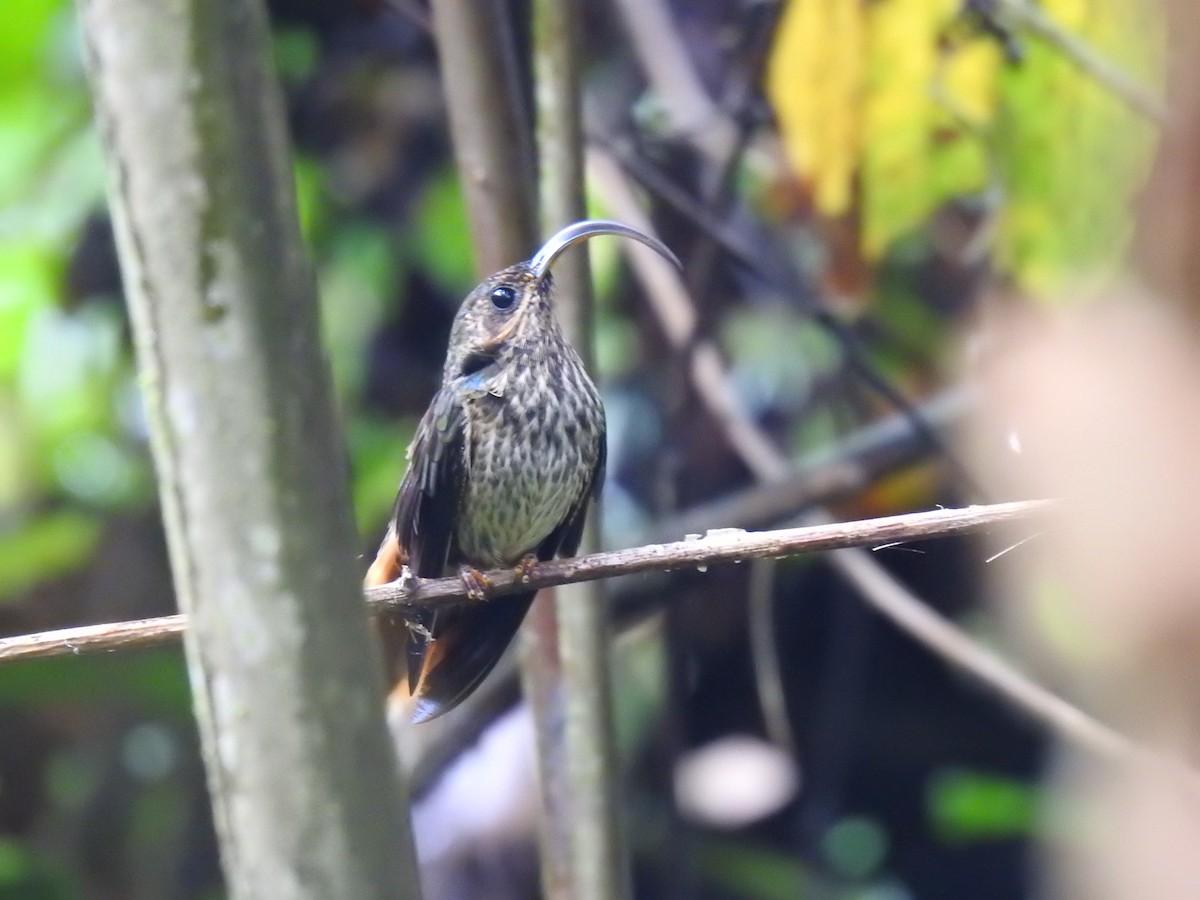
(845, 468)
(670, 73)
(1025, 16)
(677, 318)
(896, 603)
(718, 546)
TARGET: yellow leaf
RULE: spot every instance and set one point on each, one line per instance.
(890, 108)
(815, 82)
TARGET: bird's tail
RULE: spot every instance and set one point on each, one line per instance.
(436, 665)
(467, 642)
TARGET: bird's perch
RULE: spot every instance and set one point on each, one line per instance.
(718, 546)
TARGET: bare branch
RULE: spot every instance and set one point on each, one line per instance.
(840, 470)
(721, 545)
(677, 317)
(718, 546)
(826, 475)
(765, 657)
(724, 546)
(491, 140)
(669, 70)
(131, 635)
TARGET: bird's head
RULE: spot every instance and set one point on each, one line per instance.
(512, 307)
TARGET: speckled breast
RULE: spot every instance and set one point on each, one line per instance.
(532, 452)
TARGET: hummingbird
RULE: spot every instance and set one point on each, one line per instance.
(501, 471)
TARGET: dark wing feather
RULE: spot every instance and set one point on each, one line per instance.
(427, 508)
(431, 491)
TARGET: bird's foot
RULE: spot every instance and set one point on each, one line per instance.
(419, 629)
(475, 582)
(526, 568)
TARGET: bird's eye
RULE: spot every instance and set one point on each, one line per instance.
(503, 297)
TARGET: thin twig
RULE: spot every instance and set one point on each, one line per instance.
(764, 655)
(826, 475)
(107, 638)
(1033, 19)
(865, 455)
(668, 68)
(718, 546)
(935, 632)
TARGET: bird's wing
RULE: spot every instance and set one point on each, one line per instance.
(421, 531)
(431, 492)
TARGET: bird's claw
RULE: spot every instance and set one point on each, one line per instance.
(475, 582)
(526, 568)
(419, 629)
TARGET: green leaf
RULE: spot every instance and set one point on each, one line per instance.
(310, 197)
(29, 26)
(441, 233)
(27, 283)
(153, 680)
(39, 123)
(297, 53)
(1071, 154)
(965, 806)
(355, 284)
(377, 449)
(50, 545)
(25, 876)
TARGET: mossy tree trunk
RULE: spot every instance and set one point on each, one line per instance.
(252, 475)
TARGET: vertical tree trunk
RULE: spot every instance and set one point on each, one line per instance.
(494, 153)
(288, 692)
(598, 863)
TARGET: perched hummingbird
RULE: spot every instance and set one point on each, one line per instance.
(500, 473)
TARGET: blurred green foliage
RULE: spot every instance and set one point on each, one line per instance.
(25, 876)
(969, 806)
(753, 872)
(65, 448)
